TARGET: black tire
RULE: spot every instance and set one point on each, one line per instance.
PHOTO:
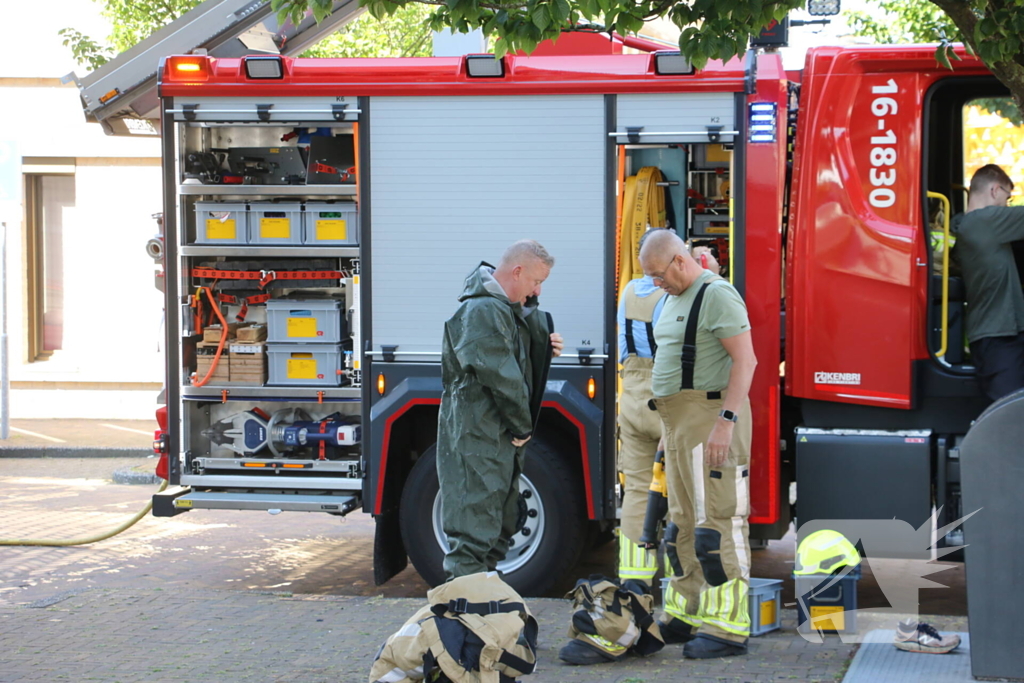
(563, 521)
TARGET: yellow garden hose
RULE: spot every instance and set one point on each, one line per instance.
(89, 539)
(643, 206)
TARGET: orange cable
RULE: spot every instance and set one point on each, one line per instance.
(223, 339)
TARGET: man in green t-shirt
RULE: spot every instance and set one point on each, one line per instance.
(995, 302)
(700, 380)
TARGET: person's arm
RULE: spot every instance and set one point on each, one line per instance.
(726, 318)
(1008, 225)
(741, 349)
(489, 353)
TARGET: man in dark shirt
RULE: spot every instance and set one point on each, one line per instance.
(995, 302)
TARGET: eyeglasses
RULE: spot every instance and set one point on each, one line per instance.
(661, 277)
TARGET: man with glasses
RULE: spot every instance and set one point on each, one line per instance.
(995, 304)
(700, 381)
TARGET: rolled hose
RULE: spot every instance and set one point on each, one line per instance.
(83, 541)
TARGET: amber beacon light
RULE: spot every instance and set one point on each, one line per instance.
(187, 68)
(591, 388)
(381, 384)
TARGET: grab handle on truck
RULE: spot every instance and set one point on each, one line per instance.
(945, 272)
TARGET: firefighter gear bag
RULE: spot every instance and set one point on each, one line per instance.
(614, 618)
(475, 629)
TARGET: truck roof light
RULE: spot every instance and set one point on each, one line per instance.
(671, 63)
(188, 68)
(264, 67)
(823, 8)
(485, 66)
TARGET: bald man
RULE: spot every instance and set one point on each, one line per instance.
(495, 356)
(700, 381)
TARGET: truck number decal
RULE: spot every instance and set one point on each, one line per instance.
(883, 151)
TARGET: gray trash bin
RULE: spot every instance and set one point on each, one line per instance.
(992, 479)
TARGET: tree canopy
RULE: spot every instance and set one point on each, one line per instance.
(709, 29)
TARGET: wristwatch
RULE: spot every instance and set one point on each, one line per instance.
(728, 415)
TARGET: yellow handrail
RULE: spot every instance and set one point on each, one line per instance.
(945, 272)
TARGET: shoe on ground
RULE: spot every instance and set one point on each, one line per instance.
(704, 646)
(579, 653)
(676, 631)
(913, 636)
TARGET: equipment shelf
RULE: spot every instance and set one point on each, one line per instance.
(243, 392)
(256, 251)
(270, 190)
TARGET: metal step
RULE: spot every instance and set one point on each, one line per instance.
(271, 502)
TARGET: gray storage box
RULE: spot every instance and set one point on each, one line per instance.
(331, 223)
(221, 223)
(294, 321)
(275, 223)
(304, 365)
(765, 605)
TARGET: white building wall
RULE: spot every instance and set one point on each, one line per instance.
(111, 363)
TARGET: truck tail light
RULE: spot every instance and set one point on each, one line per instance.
(187, 69)
(264, 67)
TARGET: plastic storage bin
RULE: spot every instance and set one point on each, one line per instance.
(275, 223)
(294, 321)
(304, 365)
(222, 223)
(765, 605)
(824, 607)
(331, 223)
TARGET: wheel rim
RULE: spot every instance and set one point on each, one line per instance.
(524, 546)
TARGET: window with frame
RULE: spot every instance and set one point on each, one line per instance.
(49, 196)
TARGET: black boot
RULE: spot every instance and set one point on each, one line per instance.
(579, 653)
(704, 646)
(676, 631)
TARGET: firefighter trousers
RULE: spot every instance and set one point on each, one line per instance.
(639, 434)
(709, 508)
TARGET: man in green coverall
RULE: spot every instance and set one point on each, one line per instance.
(494, 362)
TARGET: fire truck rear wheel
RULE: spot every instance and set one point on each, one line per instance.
(543, 551)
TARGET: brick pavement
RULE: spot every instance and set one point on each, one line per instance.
(210, 636)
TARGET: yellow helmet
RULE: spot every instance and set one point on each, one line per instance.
(824, 551)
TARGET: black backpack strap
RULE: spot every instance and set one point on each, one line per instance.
(463, 606)
(689, 358)
(517, 663)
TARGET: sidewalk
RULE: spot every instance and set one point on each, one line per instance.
(148, 605)
(78, 438)
(222, 636)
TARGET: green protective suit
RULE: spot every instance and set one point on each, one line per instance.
(494, 364)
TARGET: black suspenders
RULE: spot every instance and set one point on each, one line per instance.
(630, 341)
(689, 358)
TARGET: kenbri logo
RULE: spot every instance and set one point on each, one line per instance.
(837, 378)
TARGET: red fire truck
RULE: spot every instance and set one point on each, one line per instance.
(338, 204)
